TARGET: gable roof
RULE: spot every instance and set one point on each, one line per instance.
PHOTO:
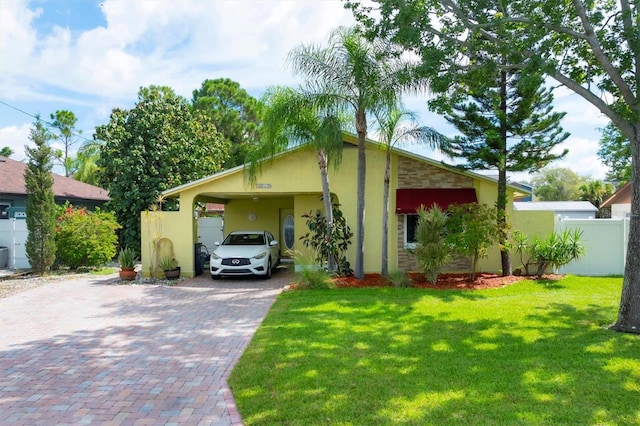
(621, 196)
(12, 183)
(350, 139)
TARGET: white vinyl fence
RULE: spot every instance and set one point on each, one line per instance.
(13, 235)
(605, 241)
(210, 231)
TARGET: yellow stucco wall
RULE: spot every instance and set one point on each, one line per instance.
(179, 227)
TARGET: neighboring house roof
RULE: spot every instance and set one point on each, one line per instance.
(352, 140)
(621, 196)
(12, 183)
(556, 206)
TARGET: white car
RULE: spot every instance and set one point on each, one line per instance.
(245, 253)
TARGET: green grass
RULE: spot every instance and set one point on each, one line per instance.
(531, 353)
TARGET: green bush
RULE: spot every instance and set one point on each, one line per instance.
(85, 238)
(127, 258)
(336, 246)
(471, 230)
(432, 250)
(400, 279)
(310, 275)
(556, 250)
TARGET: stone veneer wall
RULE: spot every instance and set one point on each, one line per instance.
(416, 174)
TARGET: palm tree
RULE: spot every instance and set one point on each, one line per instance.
(399, 126)
(86, 169)
(359, 76)
(291, 119)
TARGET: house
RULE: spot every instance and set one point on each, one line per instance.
(13, 193)
(13, 202)
(289, 186)
(619, 204)
(565, 209)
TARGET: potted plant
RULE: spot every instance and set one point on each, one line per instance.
(170, 267)
(127, 260)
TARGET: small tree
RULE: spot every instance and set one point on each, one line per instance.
(41, 206)
(556, 250)
(432, 250)
(64, 130)
(472, 229)
(329, 243)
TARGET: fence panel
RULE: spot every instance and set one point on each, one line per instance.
(605, 241)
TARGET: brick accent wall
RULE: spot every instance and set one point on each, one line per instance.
(416, 174)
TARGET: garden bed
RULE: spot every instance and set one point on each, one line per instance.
(445, 281)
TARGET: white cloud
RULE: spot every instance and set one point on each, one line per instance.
(16, 138)
(170, 43)
(180, 44)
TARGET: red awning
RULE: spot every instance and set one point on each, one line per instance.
(408, 200)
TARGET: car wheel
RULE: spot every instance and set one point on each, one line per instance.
(214, 277)
(267, 275)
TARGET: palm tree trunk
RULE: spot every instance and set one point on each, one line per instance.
(384, 269)
(361, 128)
(328, 208)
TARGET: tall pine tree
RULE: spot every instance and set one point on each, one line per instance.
(508, 125)
(41, 206)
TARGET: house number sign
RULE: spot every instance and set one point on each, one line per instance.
(263, 185)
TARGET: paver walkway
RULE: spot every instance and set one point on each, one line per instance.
(88, 351)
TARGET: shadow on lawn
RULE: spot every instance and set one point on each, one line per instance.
(392, 360)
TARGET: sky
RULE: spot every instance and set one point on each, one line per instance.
(89, 57)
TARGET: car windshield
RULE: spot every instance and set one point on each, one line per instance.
(244, 240)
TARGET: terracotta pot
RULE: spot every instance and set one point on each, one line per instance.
(128, 274)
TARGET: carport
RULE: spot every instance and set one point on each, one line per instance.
(275, 203)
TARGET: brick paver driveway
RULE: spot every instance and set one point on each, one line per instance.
(88, 351)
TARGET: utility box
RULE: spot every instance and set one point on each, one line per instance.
(199, 260)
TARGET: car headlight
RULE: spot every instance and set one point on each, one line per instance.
(260, 256)
(215, 256)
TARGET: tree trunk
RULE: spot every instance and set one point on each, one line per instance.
(501, 205)
(384, 268)
(361, 128)
(328, 208)
(629, 312)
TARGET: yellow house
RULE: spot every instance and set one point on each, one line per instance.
(289, 186)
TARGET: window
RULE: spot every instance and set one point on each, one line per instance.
(288, 232)
(410, 225)
(4, 210)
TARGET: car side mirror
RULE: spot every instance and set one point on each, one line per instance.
(217, 243)
(273, 243)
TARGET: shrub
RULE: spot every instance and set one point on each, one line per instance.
(310, 275)
(432, 251)
(85, 238)
(400, 279)
(127, 258)
(472, 229)
(555, 251)
(324, 247)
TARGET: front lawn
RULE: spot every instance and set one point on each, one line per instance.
(530, 353)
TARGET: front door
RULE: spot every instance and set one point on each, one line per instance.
(287, 235)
